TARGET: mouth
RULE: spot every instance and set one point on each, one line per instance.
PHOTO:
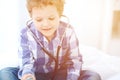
(48, 29)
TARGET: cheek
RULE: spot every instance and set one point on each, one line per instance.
(37, 25)
(56, 22)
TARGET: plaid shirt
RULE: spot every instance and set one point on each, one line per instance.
(34, 59)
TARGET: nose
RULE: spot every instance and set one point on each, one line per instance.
(45, 23)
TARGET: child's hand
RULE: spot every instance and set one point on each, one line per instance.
(28, 77)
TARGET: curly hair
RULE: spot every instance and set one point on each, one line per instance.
(59, 4)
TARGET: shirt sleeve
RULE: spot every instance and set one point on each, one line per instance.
(73, 71)
(25, 55)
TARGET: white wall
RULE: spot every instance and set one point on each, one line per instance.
(87, 18)
(113, 43)
(113, 47)
(8, 32)
(8, 26)
(92, 20)
(23, 13)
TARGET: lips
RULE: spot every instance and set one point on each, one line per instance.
(47, 29)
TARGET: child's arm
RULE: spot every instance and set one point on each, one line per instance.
(28, 77)
(25, 56)
(75, 57)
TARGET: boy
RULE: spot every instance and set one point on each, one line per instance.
(49, 48)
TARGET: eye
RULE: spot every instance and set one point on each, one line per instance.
(51, 18)
(38, 20)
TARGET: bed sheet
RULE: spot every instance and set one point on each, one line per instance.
(101, 62)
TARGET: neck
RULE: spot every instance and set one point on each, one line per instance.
(49, 38)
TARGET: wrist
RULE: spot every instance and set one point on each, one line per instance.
(29, 78)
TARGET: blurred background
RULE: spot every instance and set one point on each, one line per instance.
(96, 22)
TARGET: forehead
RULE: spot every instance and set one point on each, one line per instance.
(45, 9)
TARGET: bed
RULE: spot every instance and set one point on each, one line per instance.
(107, 66)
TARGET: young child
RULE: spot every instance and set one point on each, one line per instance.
(49, 48)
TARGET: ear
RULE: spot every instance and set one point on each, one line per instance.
(30, 14)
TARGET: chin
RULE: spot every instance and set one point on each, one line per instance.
(48, 34)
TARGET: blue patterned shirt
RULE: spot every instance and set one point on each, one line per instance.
(33, 59)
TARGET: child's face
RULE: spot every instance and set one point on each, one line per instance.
(46, 20)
